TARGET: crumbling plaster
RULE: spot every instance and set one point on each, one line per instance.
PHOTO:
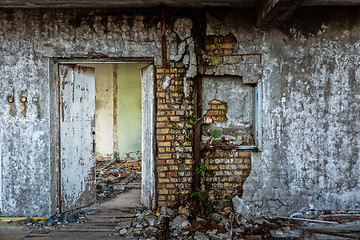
(311, 99)
(29, 39)
(310, 106)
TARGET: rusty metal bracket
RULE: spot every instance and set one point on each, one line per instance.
(35, 99)
(10, 99)
(23, 99)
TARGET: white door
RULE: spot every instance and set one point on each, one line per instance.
(77, 136)
(147, 141)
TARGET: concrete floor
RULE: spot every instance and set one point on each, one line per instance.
(98, 226)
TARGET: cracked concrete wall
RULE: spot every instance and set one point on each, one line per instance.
(28, 41)
(311, 120)
(310, 100)
(240, 101)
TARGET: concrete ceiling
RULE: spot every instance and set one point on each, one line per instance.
(155, 3)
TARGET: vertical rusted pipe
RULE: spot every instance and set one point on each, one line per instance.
(163, 38)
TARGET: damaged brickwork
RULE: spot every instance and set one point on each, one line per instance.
(174, 135)
(309, 73)
(227, 170)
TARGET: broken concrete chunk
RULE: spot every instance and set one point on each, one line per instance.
(151, 220)
(179, 222)
(123, 231)
(165, 211)
(200, 236)
(123, 225)
(185, 210)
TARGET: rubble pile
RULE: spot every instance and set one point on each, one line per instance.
(179, 224)
(54, 222)
(116, 176)
(168, 224)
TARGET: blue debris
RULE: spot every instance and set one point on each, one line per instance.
(107, 188)
(91, 213)
(52, 219)
(71, 218)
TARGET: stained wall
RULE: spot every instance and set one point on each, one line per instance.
(309, 71)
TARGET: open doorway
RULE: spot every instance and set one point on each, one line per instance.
(106, 127)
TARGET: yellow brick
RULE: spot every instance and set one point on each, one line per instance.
(188, 161)
(165, 156)
(212, 167)
(244, 154)
(164, 144)
(162, 119)
(173, 167)
(163, 191)
(162, 168)
(162, 131)
(164, 180)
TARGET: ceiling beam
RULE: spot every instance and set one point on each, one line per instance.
(271, 13)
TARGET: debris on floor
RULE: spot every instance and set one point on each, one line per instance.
(116, 176)
(179, 224)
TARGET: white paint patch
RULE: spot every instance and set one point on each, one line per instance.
(166, 82)
(147, 142)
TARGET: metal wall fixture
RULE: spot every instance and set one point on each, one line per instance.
(10, 99)
(23, 99)
(35, 99)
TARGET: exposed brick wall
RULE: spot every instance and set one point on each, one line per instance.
(174, 134)
(226, 172)
(217, 110)
(220, 45)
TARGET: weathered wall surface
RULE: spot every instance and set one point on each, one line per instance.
(311, 99)
(28, 40)
(238, 96)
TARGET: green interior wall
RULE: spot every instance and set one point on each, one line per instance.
(129, 109)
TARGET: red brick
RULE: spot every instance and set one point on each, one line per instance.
(170, 174)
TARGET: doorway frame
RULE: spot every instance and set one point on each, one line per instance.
(54, 82)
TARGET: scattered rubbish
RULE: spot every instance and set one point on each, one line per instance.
(115, 176)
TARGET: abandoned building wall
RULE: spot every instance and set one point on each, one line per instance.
(310, 111)
(28, 40)
(309, 74)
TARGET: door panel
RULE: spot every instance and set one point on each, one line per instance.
(147, 155)
(77, 136)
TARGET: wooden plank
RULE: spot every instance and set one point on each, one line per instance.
(272, 13)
